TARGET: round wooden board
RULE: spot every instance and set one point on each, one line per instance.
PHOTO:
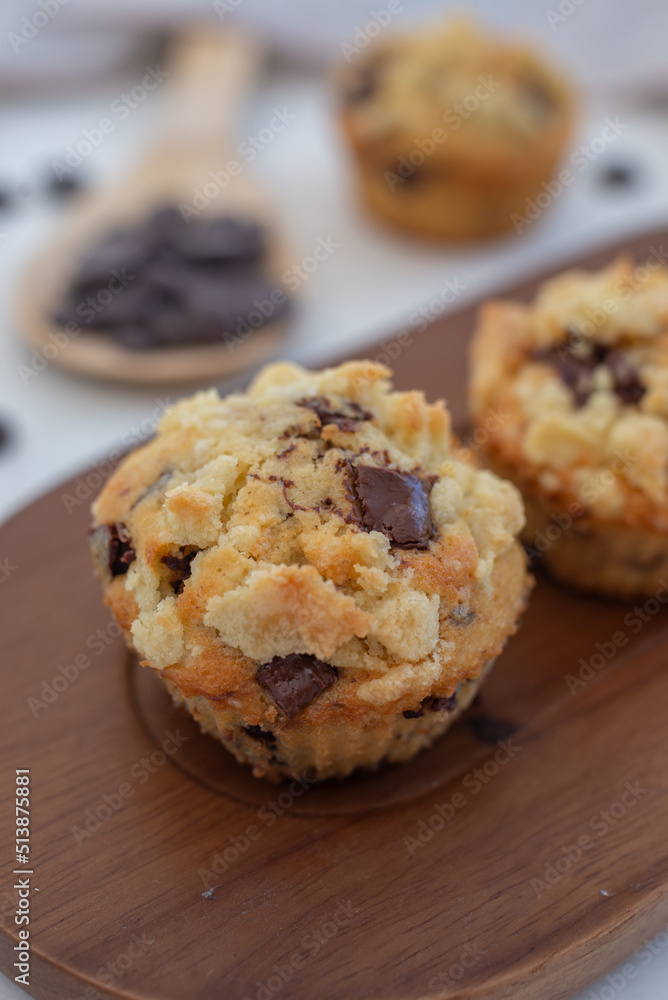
(165, 871)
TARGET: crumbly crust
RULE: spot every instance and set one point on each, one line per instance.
(491, 117)
(251, 501)
(600, 457)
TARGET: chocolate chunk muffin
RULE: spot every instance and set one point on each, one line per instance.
(453, 132)
(570, 394)
(312, 568)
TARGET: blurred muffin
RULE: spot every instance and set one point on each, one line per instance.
(311, 568)
(577, 385)
(453, 131)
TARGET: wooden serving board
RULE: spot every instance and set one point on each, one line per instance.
(473, 872)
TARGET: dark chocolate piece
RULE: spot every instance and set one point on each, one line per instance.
(119, 546)
(346, 417)
(226, 239)
(257, 733)
(166, 282)
(364, 85)
(64, 187)
(490, 729)
(433, 705)
(293, 681)
(180, 567)
(576, 370)
(618, 175)
(396, 503)
(406, 175)
(5, 436)
(628, 386)
(540, 97)
(156, 488)
(443, 704)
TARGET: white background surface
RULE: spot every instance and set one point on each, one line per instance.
(368, 288)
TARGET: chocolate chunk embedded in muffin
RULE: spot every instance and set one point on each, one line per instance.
(312, 568)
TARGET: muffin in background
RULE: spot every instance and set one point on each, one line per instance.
(453, 131)
(578, 381)
(311, 567)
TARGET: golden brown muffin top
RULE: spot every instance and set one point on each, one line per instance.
(491, 98)
(318, 514)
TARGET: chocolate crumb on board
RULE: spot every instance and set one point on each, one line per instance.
(293, 681)
(491, 729)
(209, 893)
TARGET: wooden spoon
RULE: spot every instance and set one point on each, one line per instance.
(209, 75)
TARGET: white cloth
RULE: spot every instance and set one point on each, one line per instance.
(610, 45)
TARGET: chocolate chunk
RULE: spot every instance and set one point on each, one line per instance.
(156, 488)
(180, 568)
(136, 338)
(364, 85)
(618, 175)
(345, 417)
(490, 729)
(406, 174)
(221, 240)
(396, 503)
(5, 436)
(164, 283)
(294, 681)
(116, 250)
(65, 186)
(628, 386)
(462, 615)
(257, 733)
(540, 97)
(576, 370)
(120, 553)
(443, 704)
(433, 705)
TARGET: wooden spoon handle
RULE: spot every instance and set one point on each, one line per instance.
(211, 71)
